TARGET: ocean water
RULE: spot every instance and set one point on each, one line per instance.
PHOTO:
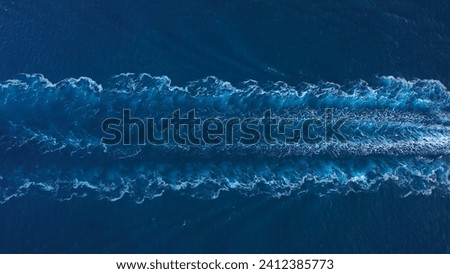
(67, 66)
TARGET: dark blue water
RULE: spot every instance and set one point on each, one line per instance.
(384, 64)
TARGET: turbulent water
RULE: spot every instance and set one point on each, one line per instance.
(397, 132)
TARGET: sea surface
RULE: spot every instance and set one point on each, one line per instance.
(384, 66)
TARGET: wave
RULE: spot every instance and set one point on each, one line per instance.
(397, 131)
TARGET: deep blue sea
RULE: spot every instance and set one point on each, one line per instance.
(65, 66)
